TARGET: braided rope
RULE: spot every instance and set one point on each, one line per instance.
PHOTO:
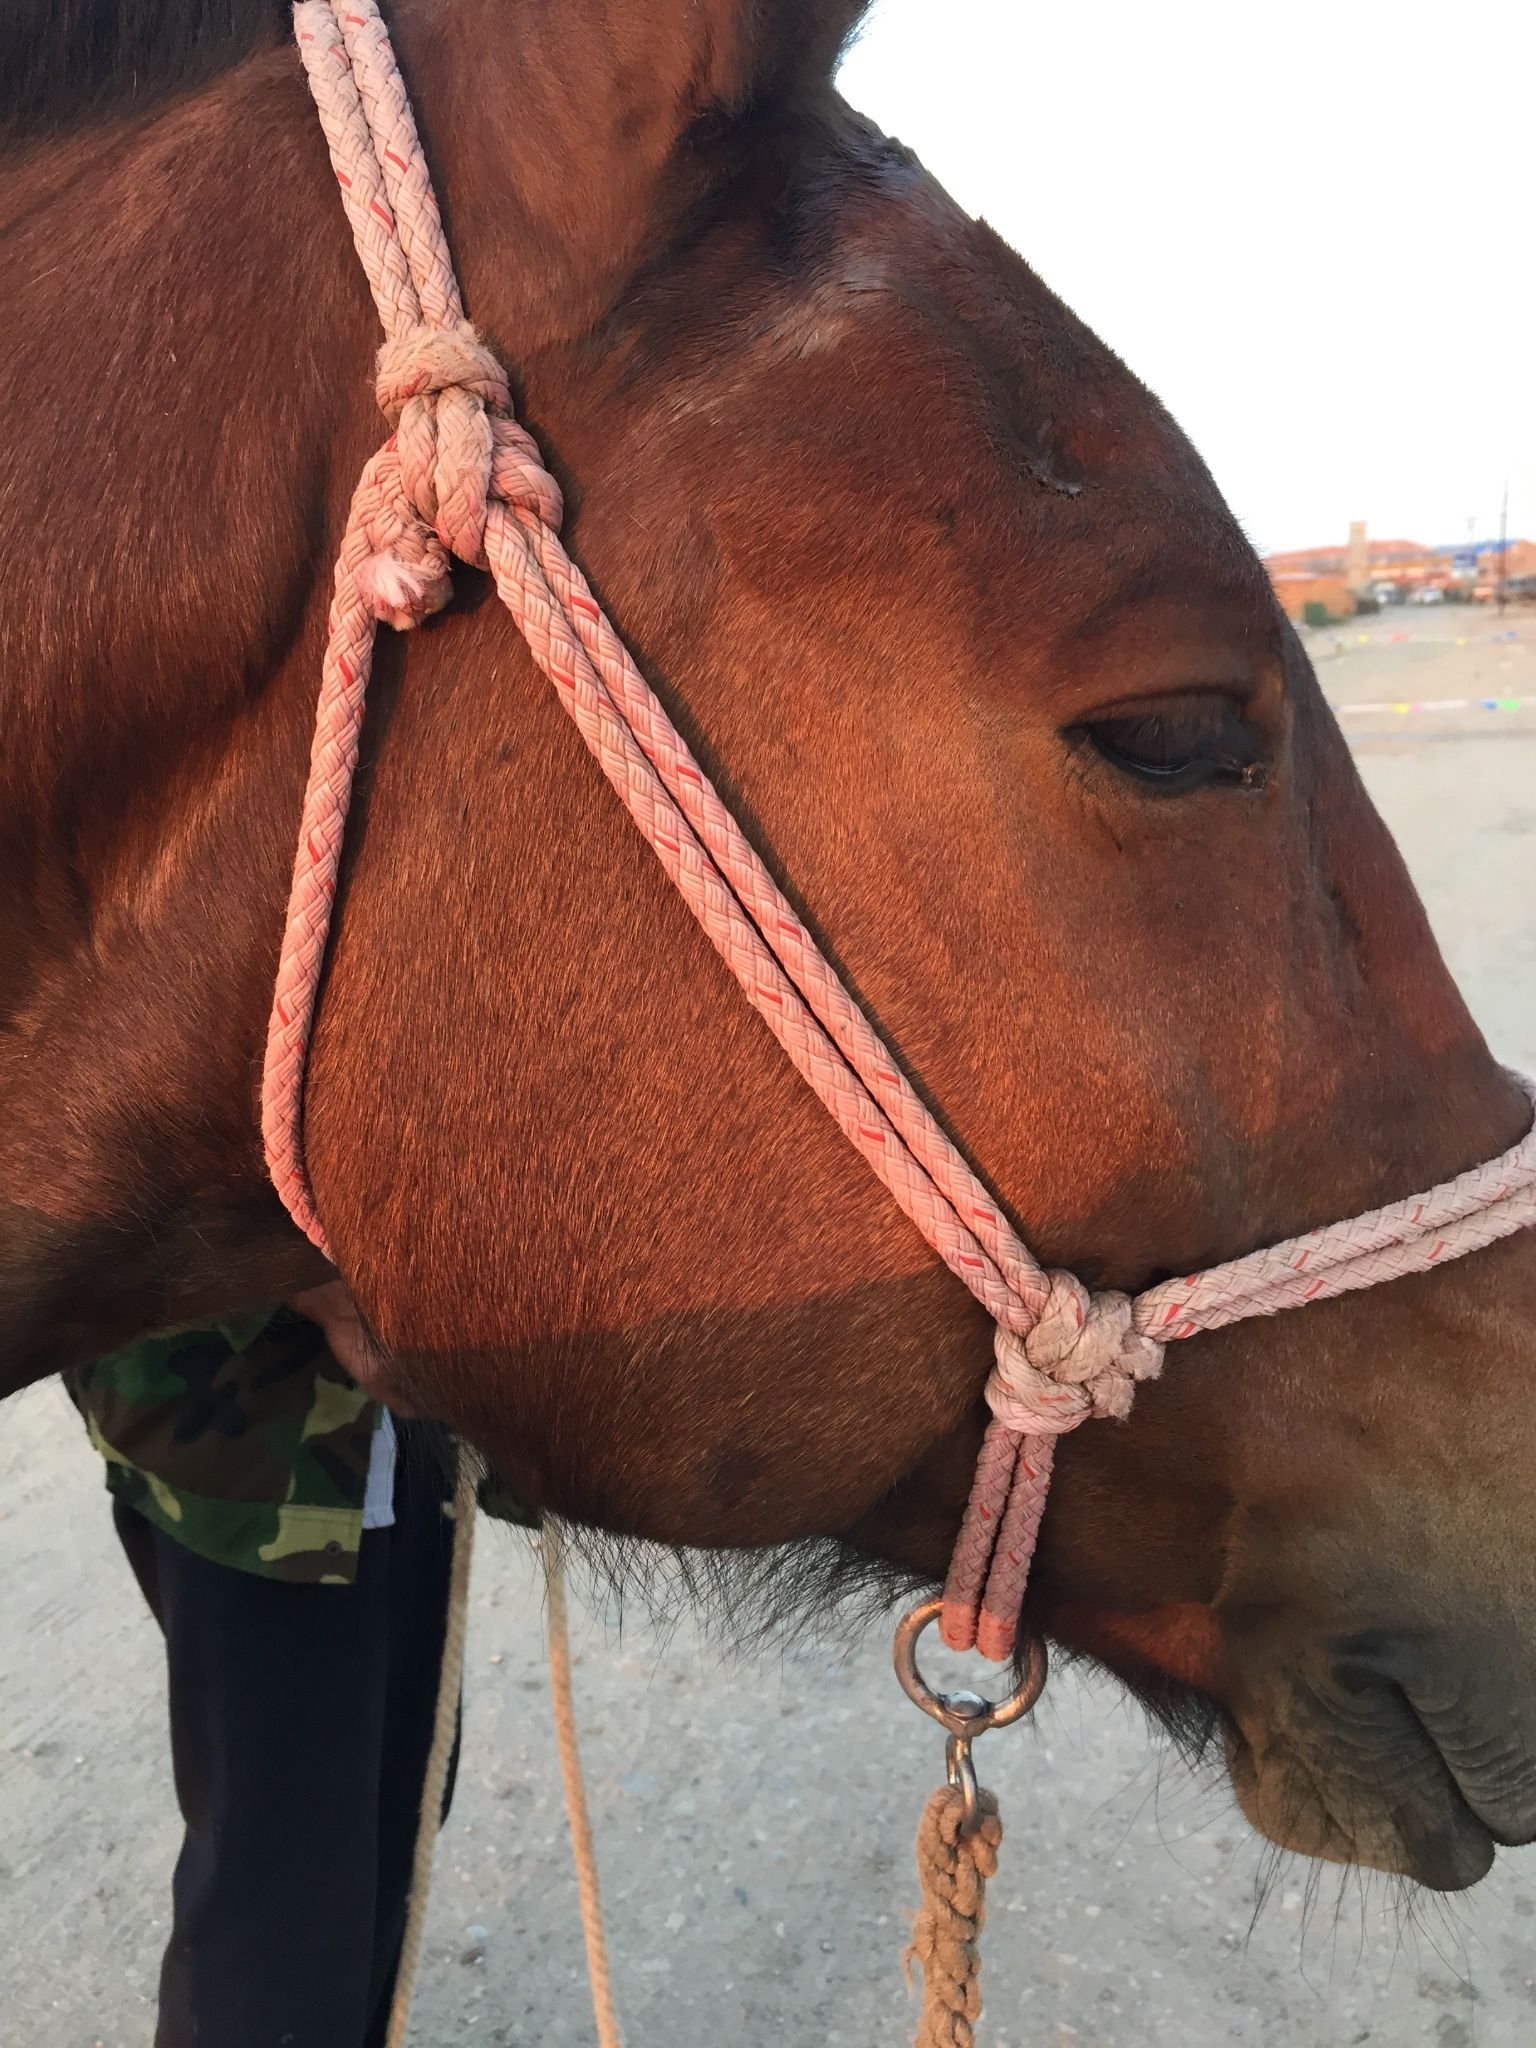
(953, 1868)
(460, 477)
(583, 1849)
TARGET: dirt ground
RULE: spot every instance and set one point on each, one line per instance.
(754, 1820)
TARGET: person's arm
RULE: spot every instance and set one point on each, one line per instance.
(333, 1308)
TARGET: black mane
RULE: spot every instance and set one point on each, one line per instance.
(63, 62)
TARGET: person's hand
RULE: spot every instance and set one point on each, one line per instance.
(334, 1310)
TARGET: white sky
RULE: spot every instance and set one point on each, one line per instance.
(1308, 225)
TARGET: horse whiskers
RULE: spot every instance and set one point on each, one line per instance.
(1194, 1722)
(790, 1596)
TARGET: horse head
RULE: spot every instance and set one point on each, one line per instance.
(959, 623)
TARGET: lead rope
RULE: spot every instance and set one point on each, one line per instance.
(439, 1756)
(583, 1849)
(958, 1837)
(953, 1865)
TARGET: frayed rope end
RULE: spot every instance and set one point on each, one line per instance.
(402, 593)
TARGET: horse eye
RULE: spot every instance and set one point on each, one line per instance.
(1174, 752)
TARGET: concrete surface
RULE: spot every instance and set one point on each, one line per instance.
(755, 1821)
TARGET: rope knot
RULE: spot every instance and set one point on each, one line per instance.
(427, 361)
(455, 448)
(1083, 1357)
(438, 387)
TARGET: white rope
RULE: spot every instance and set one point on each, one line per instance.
(444, 1729)
(435, 1779)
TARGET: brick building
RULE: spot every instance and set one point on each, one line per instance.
(1297, 588)
(1519, 569)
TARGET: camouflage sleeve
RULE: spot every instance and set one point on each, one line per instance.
(245, 1441)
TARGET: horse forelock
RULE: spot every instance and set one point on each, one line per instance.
(67, 62)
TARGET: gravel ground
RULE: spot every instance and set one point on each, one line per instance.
(754, 1819)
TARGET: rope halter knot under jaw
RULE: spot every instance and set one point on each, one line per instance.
(1061, 1359)
(1084, 1357)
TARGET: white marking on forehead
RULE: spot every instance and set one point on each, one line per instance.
(792, 326)
(820, 318)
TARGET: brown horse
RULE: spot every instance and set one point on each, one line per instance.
(959, 622)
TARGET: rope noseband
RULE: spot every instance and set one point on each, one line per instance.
(459, 478)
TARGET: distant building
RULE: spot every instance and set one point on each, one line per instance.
(1335, 577)
(1519, 565)
(1357, 559)
(1298, 588)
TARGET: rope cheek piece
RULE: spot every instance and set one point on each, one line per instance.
(458, 477)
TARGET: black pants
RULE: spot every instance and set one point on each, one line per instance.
(301, 1717)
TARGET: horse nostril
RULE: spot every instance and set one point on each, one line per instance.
(1369, 1658)
(1355, 1679)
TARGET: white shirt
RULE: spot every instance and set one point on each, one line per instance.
(379, 1494)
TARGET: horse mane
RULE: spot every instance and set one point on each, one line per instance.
(66, 62)
(63, 62)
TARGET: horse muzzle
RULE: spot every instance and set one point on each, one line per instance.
(1409, 1753)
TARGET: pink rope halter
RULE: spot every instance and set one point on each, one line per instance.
(459, 477)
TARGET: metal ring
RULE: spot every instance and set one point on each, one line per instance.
(960, 1713)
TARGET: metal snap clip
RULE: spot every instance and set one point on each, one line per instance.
(963, 1715)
